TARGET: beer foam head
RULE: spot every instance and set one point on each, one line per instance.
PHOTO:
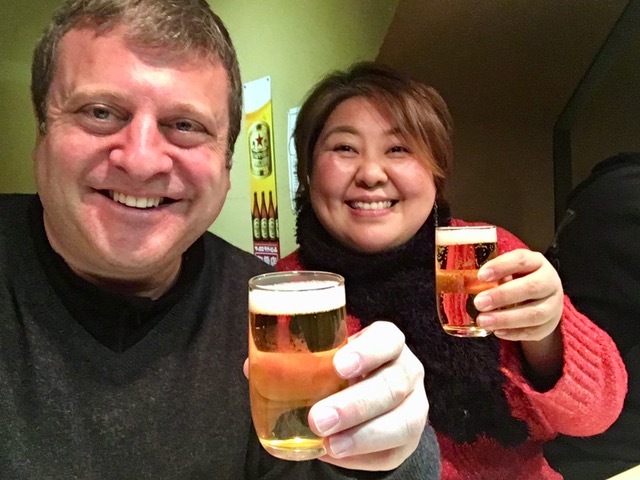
(466, 235)
(297, 297)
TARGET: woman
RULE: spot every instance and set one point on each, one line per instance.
(374, 148)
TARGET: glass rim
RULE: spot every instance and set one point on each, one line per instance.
(465, 235)
(466, 227)
(266, 281)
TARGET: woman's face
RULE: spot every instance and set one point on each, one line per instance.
(368, 189)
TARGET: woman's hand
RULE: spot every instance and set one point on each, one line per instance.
(526, 307)
(529, 305)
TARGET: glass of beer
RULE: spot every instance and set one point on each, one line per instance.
(297, 322)
(460, 252)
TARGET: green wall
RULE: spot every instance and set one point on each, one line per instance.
(293, 42)
(20, 26)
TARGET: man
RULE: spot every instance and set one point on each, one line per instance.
(597, 255)
(123, 321)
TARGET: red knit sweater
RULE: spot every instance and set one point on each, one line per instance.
(585, 401)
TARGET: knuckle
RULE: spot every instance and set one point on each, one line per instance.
(536, 312)
(538, 256)
(390, 331)
(415, 426)
(411, 361)
(521, 257)
(535, 334)
(397, 456)
(392, 458)
(533, 287)
(396, 387)
(357, 409)
(528, 334)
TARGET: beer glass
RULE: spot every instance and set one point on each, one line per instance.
(460, 252)
(297, 322)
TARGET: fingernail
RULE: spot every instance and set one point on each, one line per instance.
(482, 301)
(325, 419)
(340, 445)
(485, 274)
(347, 364)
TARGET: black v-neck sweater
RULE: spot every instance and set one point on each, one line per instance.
(115, 320)
(164, 398)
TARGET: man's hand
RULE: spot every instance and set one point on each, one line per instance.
(376, 422)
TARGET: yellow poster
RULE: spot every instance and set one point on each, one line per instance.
(258, 122)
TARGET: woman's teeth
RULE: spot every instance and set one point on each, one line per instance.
(137, 202)
(372, 205)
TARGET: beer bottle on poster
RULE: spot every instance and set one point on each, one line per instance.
(260, 149)
(264, 220)
(255, 217)
(271, 219)
(277, 222)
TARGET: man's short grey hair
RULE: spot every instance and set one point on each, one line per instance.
(180, 26)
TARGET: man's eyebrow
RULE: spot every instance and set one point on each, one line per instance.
(167, 108)
(183, 108)
(94, 95)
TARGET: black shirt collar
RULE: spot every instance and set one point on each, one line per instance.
(115, 320)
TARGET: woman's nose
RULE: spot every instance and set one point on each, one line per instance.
(142, 154)
(371, 171)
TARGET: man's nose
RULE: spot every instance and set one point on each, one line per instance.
(142, 154)
(371, 171)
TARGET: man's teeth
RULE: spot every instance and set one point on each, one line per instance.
(137, 202)
(372, 205)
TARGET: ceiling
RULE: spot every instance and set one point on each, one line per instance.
(506, 59)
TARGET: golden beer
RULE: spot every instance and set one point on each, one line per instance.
(460, 252)
(297, 322)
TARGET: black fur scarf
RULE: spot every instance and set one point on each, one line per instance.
(462, 376)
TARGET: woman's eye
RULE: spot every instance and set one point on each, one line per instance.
(343, 148)
(399, 149)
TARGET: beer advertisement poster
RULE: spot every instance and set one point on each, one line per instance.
(258, 121)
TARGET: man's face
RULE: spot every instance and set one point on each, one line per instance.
(132, 168)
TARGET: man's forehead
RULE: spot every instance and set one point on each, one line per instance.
(85, 62)
(155, 50)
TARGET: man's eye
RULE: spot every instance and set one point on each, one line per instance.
(185, 133)
(100, 113)
(184, 126)
(188, 126)
(101, 120)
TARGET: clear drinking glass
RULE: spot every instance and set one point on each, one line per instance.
(297, 322)
(460, 252)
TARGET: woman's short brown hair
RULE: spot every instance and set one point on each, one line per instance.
(418, 110)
